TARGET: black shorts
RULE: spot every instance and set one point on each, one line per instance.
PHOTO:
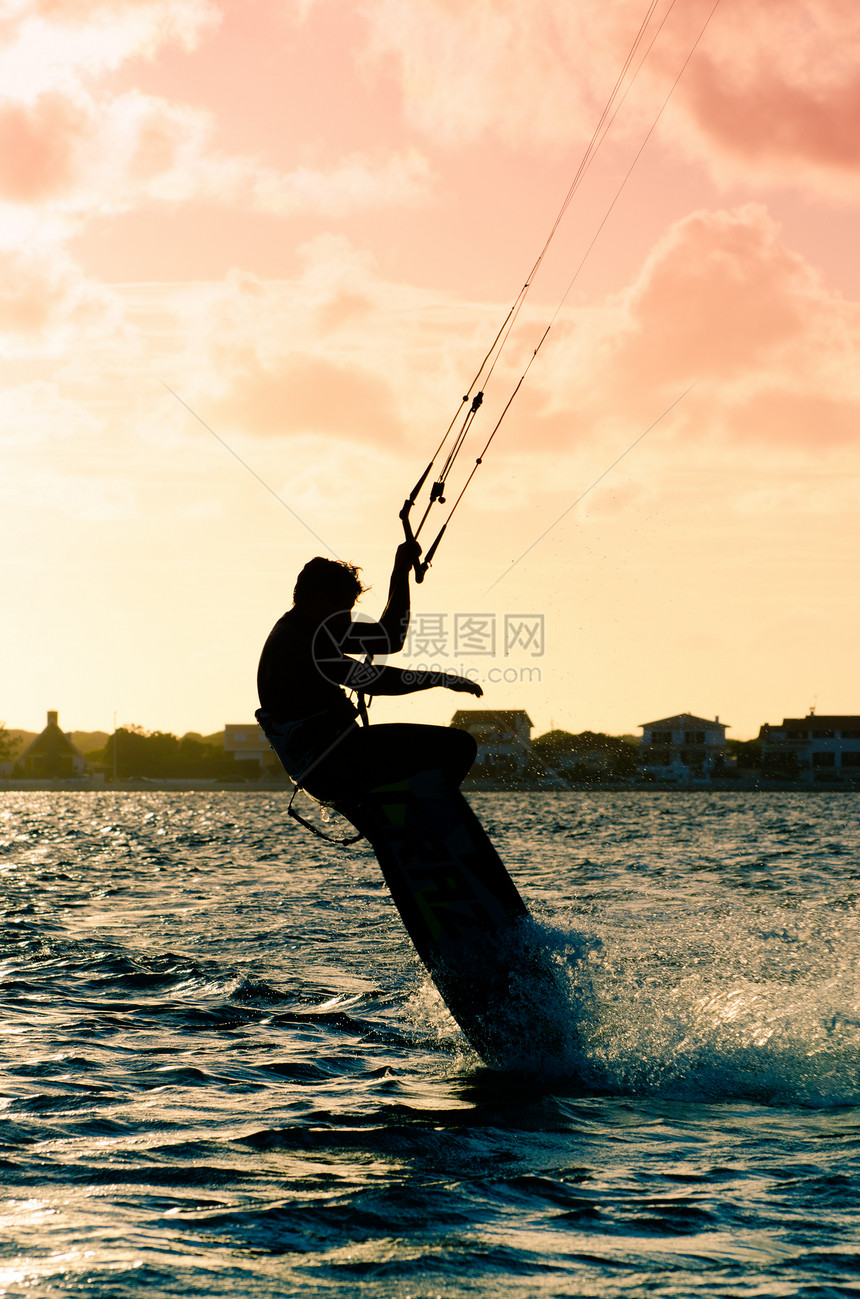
(367, 756)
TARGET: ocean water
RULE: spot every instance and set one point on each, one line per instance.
(225, 1072)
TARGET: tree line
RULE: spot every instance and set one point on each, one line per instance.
(595, 756)
(8, 744)
(133, 752)
(591, 755)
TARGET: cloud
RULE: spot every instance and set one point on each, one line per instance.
(72, 145)
(359, 182)
(721, 295)
(771, 95)
(306, 393)
(48, 45)
(38, 143)
(325, 478)
(65, 494)
(723, 302)
(35, 413)
(340, 351)
(343, 362)
(774, 92)
(86, 156)
(489, 65)
(43, 296)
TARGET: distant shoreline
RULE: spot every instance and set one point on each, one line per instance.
(177, 785)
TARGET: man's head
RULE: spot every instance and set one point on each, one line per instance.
(329, 583)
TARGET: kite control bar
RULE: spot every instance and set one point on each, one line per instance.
(420, 566)
(437, 488)
(437, 494)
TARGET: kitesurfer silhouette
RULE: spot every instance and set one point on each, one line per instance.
(305, 671)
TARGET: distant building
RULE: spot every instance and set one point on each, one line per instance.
(812, 748)
(51, 754)
(503, 737)
(683, 746)
(247, 743)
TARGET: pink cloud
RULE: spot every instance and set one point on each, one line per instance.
(31, 292)
(83, 156)
(775, 86)
(341, 351)
(811, 419)
(775, 122)
(38, 147)
(721, 295)
(312, 395)
(721, 302)
(41, 291)
(88, 154)
(772, 91)
(146, 23)
(475, 67)
(49, 45)
(86, 10)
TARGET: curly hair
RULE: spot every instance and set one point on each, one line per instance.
(332, 577)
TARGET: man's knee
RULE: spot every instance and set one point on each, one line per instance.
(464, 746)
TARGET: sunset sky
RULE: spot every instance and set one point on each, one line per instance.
(308, 219)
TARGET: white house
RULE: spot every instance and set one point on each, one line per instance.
(683, 747)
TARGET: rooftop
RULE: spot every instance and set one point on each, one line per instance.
(685, 719)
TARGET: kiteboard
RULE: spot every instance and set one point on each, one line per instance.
(465, 917)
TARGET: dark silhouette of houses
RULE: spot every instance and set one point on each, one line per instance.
(51, 754)
(503, 737)
(247, 743)
(813, 748)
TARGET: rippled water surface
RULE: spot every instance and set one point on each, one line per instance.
(224, 1071)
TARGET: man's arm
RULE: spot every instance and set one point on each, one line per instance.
(395, 615)
(371, 680)
(388, 636)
